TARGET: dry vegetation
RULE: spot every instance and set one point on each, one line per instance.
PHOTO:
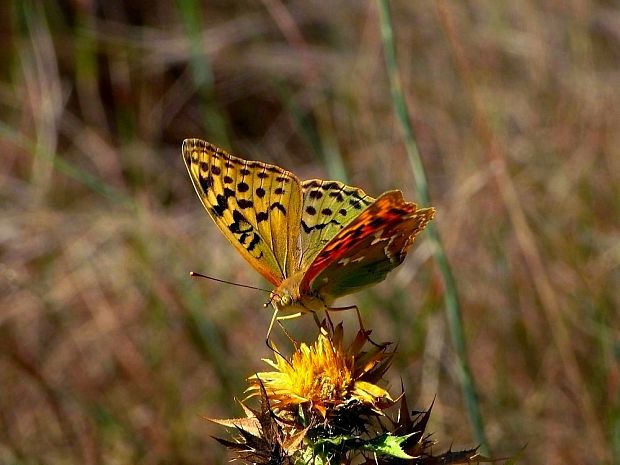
(110, 353)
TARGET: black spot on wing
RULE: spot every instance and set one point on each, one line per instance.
(253, 243)
(221, 205)
(244, 203)
(357, 204)
(319, 226)
(278, 206)
(239, 221)
(205, 183)
(243, 187)
(222, 201)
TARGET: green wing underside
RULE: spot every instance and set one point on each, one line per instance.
(357, 277)
(328, 207)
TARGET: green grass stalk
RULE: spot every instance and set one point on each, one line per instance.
(190, 12)
(318, 133)
(451, 298)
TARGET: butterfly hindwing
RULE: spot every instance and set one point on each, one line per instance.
(328, 207)
(256, 205)
(365, 251)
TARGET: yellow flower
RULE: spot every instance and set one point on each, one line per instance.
(325, 375)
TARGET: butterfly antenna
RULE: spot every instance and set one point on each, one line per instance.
(200, 275)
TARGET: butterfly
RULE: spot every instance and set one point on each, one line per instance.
(313, 240)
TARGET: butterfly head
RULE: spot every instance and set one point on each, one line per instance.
(288, 298)
(278, 300)
(282, 299)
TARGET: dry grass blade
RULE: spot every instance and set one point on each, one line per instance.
(525, 237)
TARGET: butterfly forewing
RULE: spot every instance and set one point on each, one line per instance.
(328, 207)
(372, 245)
(256, 205)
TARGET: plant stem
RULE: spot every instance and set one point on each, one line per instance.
(451, 298)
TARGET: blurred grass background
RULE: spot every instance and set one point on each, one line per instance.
(110, 353)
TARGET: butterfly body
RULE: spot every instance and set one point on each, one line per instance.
(314, 240)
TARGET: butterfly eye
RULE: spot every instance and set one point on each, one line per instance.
(286, 300)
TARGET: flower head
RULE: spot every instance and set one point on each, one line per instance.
(325, 375)
(323, 406)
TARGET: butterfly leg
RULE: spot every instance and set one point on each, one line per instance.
(349, 307)
(321, 324)
(276, 351)
(316, 319)
(290, 338)
(277, 318)
(273, 319)
(329, 320)
(359, 318)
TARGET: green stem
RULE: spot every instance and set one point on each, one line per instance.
(202, 72)
(451, 298)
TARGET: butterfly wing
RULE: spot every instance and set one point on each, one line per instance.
(257, 206)
(375, 242)
(328, 207)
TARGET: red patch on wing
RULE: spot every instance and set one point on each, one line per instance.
(397, 222)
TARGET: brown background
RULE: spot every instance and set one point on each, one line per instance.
(110, 353)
